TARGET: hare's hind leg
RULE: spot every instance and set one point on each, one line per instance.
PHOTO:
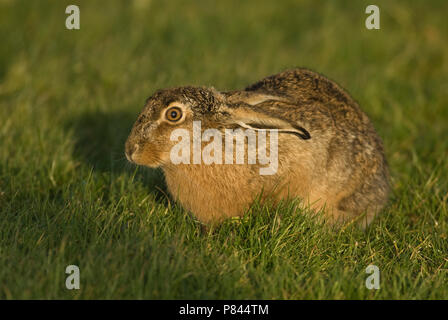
(340, 217)
(364, 203)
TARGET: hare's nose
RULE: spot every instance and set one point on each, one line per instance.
(131, 148)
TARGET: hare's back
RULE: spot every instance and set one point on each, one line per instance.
(302, 84)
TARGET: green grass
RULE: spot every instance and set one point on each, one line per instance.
(69, 98)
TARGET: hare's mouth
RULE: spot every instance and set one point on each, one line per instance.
(151, 160)
(131, 151)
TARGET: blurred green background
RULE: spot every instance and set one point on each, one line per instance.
(68, 99)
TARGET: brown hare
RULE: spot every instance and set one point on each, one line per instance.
(328, 152)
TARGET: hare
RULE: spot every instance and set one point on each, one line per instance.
(329, 154)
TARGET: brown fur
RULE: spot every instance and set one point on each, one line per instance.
(341, 168)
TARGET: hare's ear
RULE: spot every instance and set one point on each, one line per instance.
(254, 118)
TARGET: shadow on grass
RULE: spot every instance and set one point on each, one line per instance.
(100, 139)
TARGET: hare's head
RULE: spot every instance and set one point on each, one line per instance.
(150, 140)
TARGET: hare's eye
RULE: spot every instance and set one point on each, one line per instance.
(173, 114)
